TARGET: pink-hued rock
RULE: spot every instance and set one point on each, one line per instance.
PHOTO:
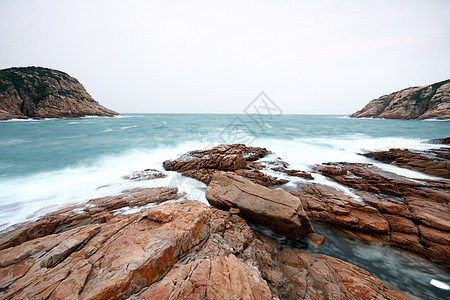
(391, 208)
(237, 158)
(275, 209)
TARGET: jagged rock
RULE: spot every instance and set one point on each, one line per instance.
(99, 210)
(176, 250)
(389, 208)
(274, 209)
(427, 162)
(147, 174)
(444, 141)
(238, 158)
(35, 92)
(425, 102)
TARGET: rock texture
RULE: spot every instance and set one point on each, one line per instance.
(275, 209)
(35, 92)
(425, 102)
(176, 250)
(99, 210)
(388, 208)
(433, 162)
(238, 158)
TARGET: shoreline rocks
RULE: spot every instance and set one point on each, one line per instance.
(176, 250)
(430, 162)
(275, 209)
(238, 158)
(186, 249)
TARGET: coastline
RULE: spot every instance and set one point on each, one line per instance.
(104, 212)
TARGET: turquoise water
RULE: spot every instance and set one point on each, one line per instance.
(30, 147)
(47, 164)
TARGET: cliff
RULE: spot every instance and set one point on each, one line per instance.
(425, 102)
(35, 92)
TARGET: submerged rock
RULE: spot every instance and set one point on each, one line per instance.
(35, 92)
(275, 209)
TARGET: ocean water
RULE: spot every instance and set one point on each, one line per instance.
(47, 164)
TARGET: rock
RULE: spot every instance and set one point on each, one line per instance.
(35, 92)
(221, 277)
(274, 209)
(96, 210)
(147, 174)
(238, 158)
(444, 141)
(314, 240)
(426, 162)
(176, 250)
(426, 102)
(88, 262)
(387, 208)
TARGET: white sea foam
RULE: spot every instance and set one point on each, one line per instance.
(128, 127)
(27, 198)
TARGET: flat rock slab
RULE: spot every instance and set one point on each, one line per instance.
(275, 209)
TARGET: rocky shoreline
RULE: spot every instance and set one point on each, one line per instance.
(172, 248)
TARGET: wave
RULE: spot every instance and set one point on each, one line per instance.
(28, 197)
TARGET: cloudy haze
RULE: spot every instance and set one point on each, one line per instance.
(216, 56)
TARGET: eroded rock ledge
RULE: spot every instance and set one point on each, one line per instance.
(176, 250)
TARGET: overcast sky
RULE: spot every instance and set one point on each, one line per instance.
(216, 56)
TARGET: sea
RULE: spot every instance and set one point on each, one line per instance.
(50, 163)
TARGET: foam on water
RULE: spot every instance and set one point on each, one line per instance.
(27, 198)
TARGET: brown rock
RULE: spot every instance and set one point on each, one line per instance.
(97, 210)
(35, 92)
(239, 158)
(426, 162)
(176, 250)
(274, 209)
(393, 207)
(425, 102)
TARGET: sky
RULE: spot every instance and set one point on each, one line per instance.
(309, 57)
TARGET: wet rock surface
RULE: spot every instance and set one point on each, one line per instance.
(238, 158)
(99, 210)
(388, 208)
(433, 162)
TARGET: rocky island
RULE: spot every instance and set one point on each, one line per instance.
(36, 92)
(184, 249)
(425, 102)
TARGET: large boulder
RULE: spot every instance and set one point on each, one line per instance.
(275, 209)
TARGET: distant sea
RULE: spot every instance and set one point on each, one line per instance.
(46, 164)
